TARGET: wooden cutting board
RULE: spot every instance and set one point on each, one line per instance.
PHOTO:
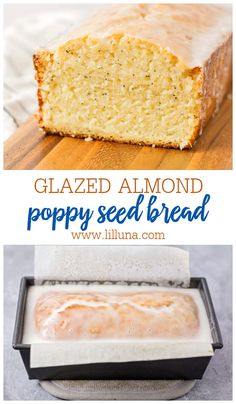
(29, 149)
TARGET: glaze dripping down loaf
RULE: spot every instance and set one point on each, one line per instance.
(144, 74)
(92, 315)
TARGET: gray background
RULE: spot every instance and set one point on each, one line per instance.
(212, 262)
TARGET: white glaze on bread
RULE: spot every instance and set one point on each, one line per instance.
(53, 313)
(129, 315)
(189, 31)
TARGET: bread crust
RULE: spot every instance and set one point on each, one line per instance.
(40, 61)
(217, 77)
(113, 138)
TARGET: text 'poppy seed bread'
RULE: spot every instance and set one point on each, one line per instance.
(149, 74)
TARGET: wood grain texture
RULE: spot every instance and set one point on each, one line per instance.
(29, 149)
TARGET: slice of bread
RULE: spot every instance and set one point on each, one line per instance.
(142, 74)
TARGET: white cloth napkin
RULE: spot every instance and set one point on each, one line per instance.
(21, 40)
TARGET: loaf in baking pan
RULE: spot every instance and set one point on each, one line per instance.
(93, 315)
(144, 74)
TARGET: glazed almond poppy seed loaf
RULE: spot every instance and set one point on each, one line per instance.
(144, 74)
(90, 315)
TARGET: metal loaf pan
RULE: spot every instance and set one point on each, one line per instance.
(172, 369)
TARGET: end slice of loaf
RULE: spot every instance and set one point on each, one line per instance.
(142, 74)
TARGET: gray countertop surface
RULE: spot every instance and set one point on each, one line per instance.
(211, 262)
